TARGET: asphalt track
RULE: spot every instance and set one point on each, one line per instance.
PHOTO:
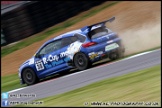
(79, 79)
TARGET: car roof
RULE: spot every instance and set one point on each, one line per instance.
(68, 34)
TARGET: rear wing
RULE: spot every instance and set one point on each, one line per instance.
(97, 24)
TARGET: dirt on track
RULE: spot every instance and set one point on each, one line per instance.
(138, 23)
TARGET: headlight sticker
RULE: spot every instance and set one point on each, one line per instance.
(31, 61)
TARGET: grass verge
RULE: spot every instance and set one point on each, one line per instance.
(46, 33)
(142, 86)
(10, 82)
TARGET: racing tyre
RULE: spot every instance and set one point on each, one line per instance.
(29, 76)
(113, 56)
(81, 61)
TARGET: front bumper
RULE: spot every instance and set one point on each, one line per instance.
(21, 81)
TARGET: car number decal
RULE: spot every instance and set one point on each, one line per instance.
(39, 65)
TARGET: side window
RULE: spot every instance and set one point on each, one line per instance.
(50, 47)
(53, 46)
(42, 51)
(73, 39)
(57, 44)
(66, 42)
(80, 37)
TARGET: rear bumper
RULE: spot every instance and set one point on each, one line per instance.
(102, 50)
(104, 55)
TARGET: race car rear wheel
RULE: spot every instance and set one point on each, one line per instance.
(81, 61)
(113, 55)
(29, 76)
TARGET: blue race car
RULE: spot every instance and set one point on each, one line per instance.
(76, 49)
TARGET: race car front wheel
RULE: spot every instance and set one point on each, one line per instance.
(29, 76)
(81, 61)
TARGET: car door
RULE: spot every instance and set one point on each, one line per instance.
(57, 61)
(63, 54)
(47, 56)
(71, 45)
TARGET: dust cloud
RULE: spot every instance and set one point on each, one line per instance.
(140, 39)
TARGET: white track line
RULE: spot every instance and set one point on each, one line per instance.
(94, 68)
(138, 55)
(17, 89)
(111, 63)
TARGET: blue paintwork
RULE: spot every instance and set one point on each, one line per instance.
(53, 66)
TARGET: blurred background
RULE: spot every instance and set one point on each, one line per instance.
(26, 25)
(20, 19)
